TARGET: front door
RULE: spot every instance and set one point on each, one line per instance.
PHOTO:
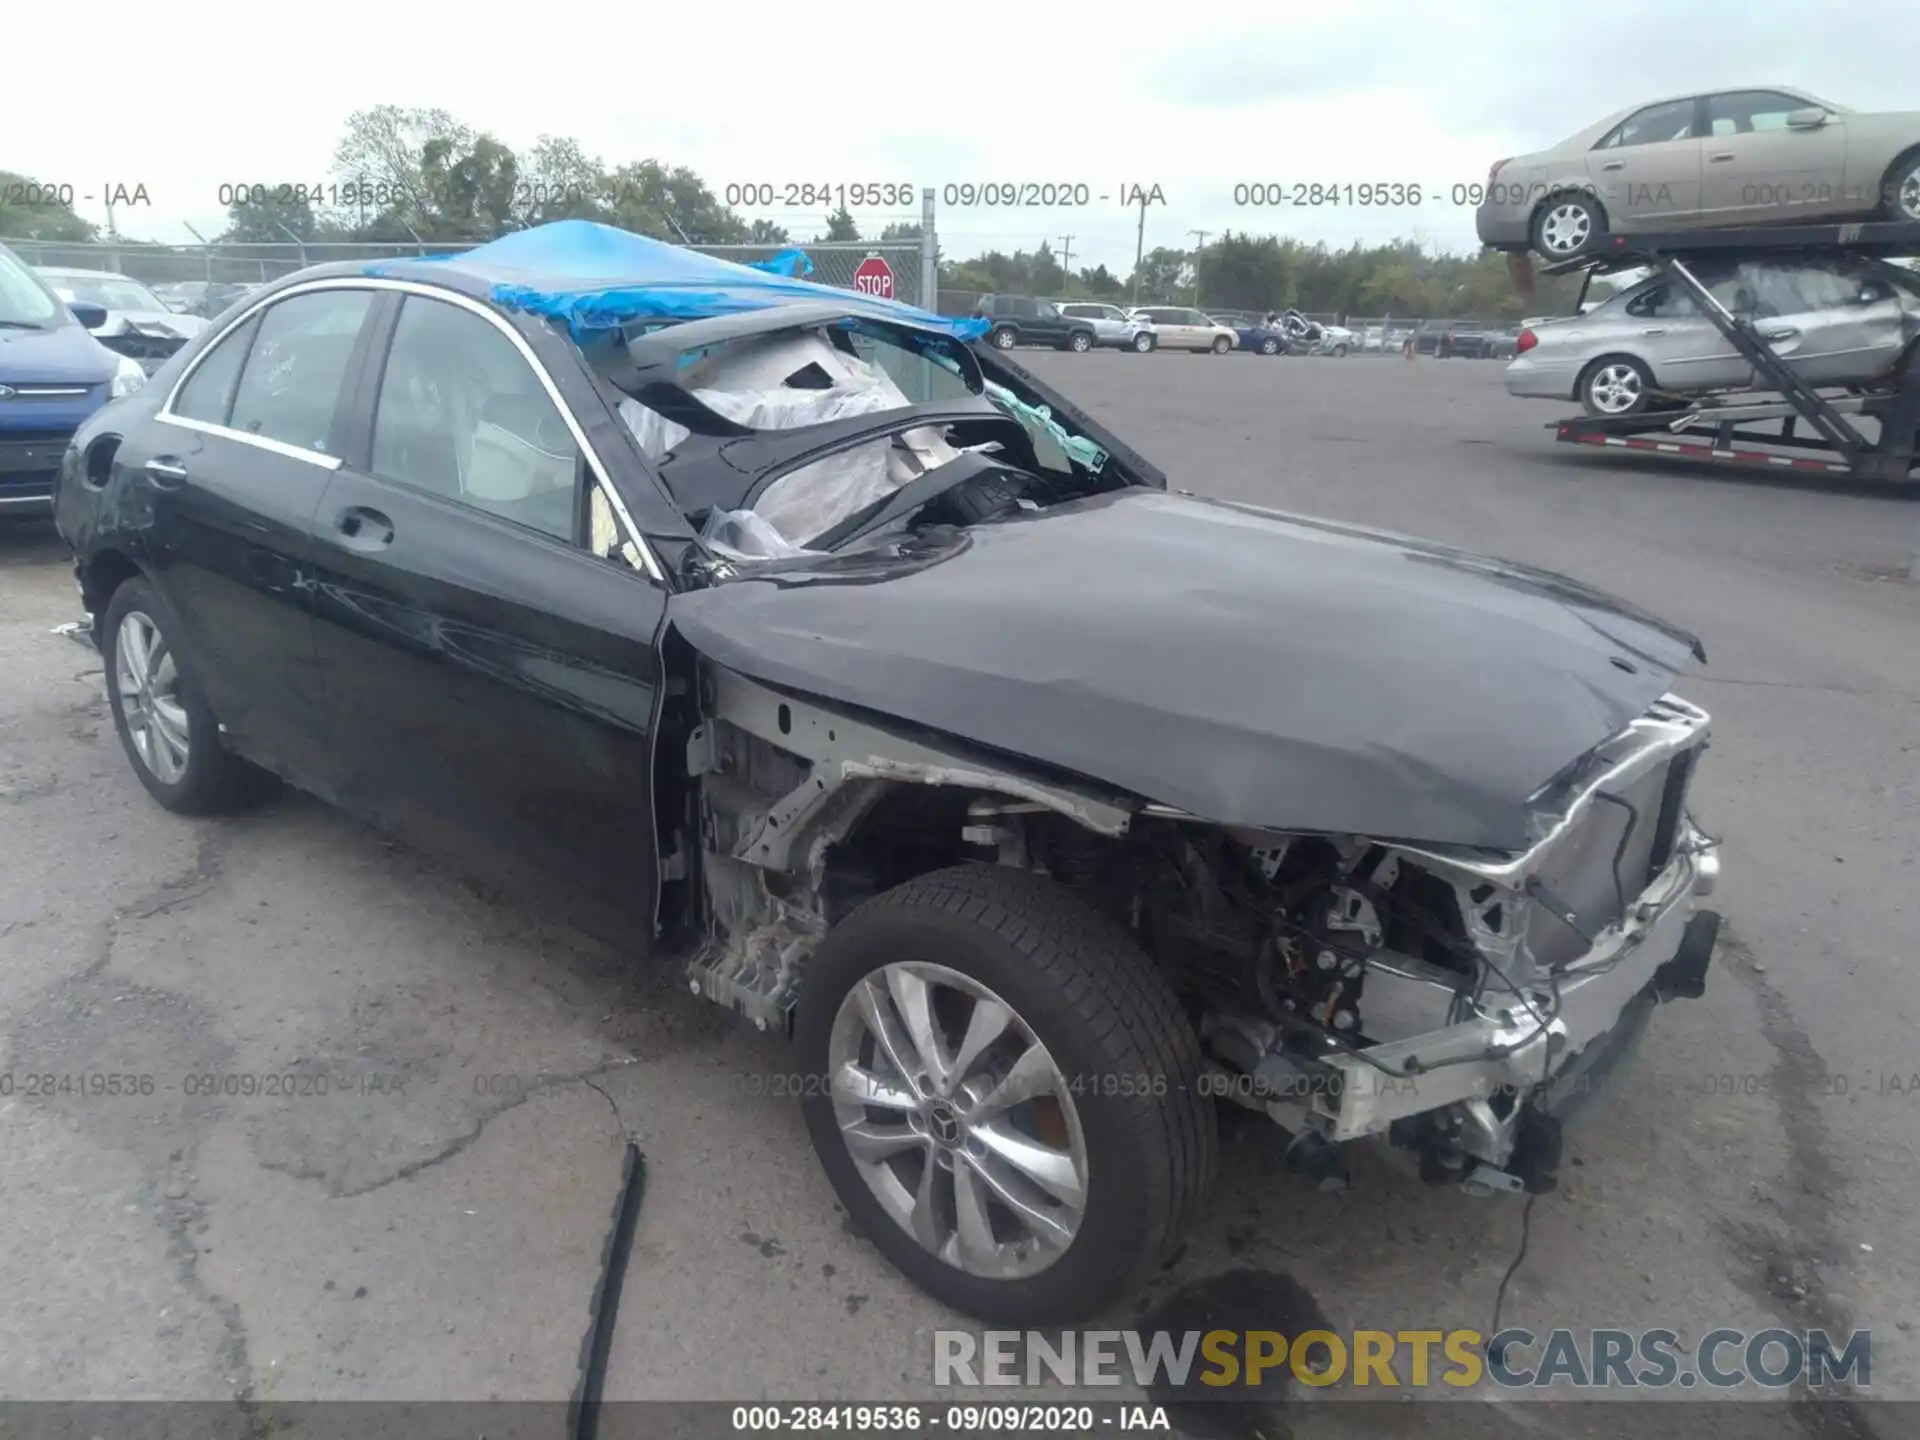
(493, 680)
(227, 485)
(1759, 168)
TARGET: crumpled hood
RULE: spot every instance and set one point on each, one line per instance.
(1250, 667)
(151, 322)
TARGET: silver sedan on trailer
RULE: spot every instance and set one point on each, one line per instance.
(1836, 321)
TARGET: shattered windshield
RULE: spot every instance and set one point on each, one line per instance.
(787, 379)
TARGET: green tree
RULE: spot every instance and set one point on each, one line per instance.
(45, 218)
(1164, 276)
(671, 203)
(840, 226)
(467, 188)
(765, 232)
(271, 219)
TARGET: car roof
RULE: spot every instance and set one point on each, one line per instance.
(1601, 127)
(74, 272)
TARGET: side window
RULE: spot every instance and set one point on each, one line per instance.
(208, 393)
(290, 385)
(1662, 302)
(1741, 112)
(1670, 121)
(461, 414)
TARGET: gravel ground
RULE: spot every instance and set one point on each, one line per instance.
(430, 1226)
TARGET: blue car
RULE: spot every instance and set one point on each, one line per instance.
(53, 375)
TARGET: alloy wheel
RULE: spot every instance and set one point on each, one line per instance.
(958, 1119)
(1909, 197)
(1566, 229)
(148, 682)
(1615, 388)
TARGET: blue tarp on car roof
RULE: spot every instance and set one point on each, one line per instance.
(597, 277)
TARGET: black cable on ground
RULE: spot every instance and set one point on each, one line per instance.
(1496, 1354)
(583, 1418)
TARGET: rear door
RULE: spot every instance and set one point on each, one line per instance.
(491, 666)
(1832, 320)
(227, 482)
(1646, 170)
(1758, 168)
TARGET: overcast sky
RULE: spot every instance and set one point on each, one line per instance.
(184, 97)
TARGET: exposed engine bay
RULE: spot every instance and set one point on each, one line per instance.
(1347, 988)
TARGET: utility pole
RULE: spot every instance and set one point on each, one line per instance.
(1139, 249)
(1199, 248)
(1066, 255)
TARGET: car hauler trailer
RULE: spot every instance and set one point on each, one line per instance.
(1820, 431)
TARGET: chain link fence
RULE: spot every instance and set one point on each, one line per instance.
(834, 263)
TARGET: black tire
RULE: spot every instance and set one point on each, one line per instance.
(1568, 225)
(1102, 1009)
(1269, 346)
(1606, 374)
(1221, 345)
(214, 779)
(1340, 352)
(1004, 337)
(1080, 342)
(1900, 190)
(1145, 343)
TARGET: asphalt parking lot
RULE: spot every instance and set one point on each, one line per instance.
(422, 1216)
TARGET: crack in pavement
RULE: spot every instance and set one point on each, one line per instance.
(461, 1142)
(1789, 1263)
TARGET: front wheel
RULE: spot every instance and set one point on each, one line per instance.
(1005, 337)
(1143, 343)
(1011, 1108)
(1080, 342)
(1269, 346)
(1616, 385)
(1340, 352)
(1221, 344)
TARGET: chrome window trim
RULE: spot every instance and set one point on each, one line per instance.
(649, 564)
(245, 437)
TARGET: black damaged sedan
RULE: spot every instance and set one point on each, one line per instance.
(798, 640)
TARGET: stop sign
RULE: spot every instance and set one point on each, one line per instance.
(873, 276)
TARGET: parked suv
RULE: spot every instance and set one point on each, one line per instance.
(1110, 323)
(1024, 320)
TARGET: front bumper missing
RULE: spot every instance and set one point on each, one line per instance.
(1658, 952)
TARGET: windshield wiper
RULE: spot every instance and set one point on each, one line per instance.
(19, 325)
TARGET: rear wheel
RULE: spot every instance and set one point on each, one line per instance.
(1269, 346)
(1568, 225)
(1900, 191)
(170, 736)
(1012, 1108)
(1221, 344)
(1616, 385)
(1004, 337)
(1340, 351)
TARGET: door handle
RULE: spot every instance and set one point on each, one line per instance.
(1660, 331)
(1787, 334)
(1614, 165)
(166, 471)
(1723, 155)
(363, 528)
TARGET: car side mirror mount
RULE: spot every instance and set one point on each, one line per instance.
(1811, 118)
(89, 315)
